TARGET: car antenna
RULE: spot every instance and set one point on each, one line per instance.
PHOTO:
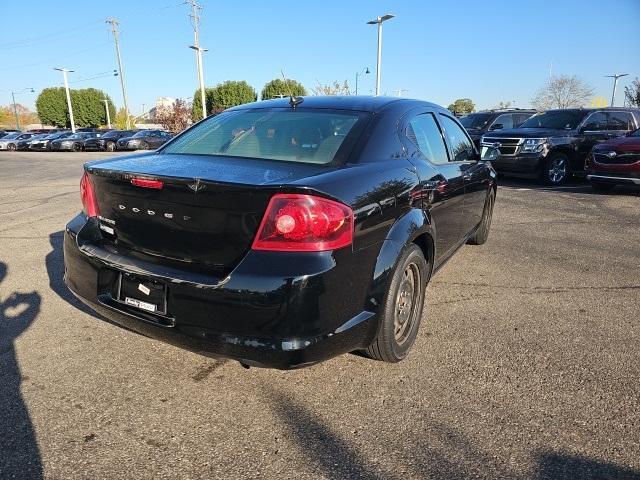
(293, 101)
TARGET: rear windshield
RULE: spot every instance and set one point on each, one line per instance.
(305, 136)
(556, 119)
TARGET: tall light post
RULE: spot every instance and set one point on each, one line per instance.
(114, 29)
(378, 21)
(615, 84)
(15, 107)
(199, 51)
(66, 88)
(106, 109)
(366, 72)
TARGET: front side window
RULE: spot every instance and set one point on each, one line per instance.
(621, 121)
(424, 132)
(475, 120)
(307, 136)
(461, 147)
(504, 121)
(596, 122)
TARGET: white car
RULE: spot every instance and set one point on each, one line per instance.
(9, 142)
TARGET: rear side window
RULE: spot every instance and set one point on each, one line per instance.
(596, 122)
(425, 134)
(305, 136)
(620, 121)
(461, 147)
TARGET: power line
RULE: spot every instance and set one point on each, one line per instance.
(29, 42)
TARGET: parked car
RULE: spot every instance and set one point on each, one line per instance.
(144, 139)
(73, 142)
(615, 162)
(25, 143)
(7, 131)
(10, 142)
(284, 232)
(107, 141)
(45, 142)
(479, 123)
(553, 145)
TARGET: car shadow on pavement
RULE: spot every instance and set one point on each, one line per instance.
(19, 452)
(574, 185)
(55, 270)
(438, 452)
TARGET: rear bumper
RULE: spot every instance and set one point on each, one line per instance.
(272, 310)
(524, 164)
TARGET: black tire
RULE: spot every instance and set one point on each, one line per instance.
(482, 233)
(76, 147)
(602, 187)
(400, 319)
(12, 147)
(556, 169)
(110, 146)
(144, 146)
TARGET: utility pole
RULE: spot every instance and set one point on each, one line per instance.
(378, 21)
(615, 77)
(114, 30)
(66, 88)
(195, 21)
(15, 107)
(106, 108)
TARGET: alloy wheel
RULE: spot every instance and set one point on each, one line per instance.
(557, 170)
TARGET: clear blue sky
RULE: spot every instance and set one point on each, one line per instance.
(436, 50)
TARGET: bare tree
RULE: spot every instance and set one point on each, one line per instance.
(334, 88)
(175, 118)
(632, 93)
(562, 92)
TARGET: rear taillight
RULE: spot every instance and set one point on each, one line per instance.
(88, 197)
(304, 223)
(146, 183)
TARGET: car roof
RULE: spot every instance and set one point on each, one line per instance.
(337, 102)
(588, 110)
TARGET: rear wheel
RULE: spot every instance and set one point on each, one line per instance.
(110, 146)
(402, 310)
(77, 147)
(602, 187)
(144, 145)
(482, 233)
(11, 146)
(556, 171)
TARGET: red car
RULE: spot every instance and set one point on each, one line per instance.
(615, 162)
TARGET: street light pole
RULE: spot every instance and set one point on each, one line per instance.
(365, 71)
(378, 21)
(106, 108)
(615, 84)
(15, 107)
(66, 88)
(199, 51)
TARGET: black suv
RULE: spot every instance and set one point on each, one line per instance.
(479, 123)
(553, 145)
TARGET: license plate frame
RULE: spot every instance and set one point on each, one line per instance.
(143, 294)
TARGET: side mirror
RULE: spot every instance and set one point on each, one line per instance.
(489, 154)
(496, 126)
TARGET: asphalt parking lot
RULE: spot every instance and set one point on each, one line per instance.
(526, 365)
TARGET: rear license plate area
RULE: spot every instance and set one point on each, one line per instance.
(141, 293)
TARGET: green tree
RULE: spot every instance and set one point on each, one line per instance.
(87, 104)
(632, 93)
(462, 106)
(277, 88)
(222, 96)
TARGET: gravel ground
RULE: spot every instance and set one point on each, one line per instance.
(526, 365)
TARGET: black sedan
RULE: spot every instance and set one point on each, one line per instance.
(25, 144)
(284, 232)
(107, 141)
(74, 142)
(144, 140)
(44, 143)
